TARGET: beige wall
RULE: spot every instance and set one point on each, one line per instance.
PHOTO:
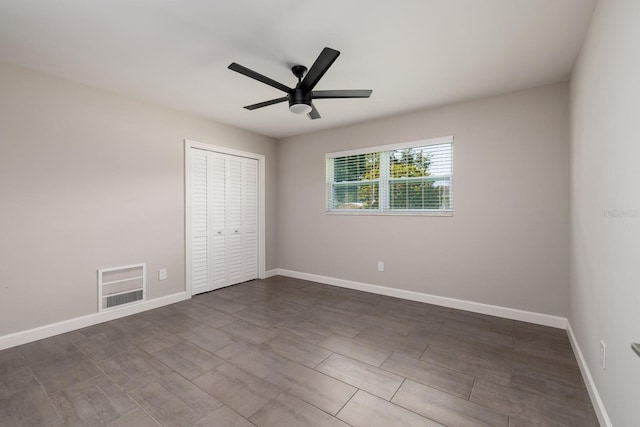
(507, 243)
(605, 210)
(88, 180)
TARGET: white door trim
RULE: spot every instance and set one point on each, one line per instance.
(188, 145)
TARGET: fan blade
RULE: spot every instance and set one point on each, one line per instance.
(327, 94)
(259, 77)
(317, 70)
(314, 113)
(266, 103)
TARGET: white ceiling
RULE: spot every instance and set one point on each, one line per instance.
(412, 53)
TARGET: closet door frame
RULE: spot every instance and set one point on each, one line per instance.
(188, 145)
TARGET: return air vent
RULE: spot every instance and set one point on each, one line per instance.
(121, 286)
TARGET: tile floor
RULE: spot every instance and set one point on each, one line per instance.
(285, 352)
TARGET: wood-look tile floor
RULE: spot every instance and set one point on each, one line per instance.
(285, 352)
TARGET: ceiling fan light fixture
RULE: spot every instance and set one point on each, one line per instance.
(300, 108)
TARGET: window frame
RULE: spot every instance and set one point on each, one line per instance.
(384, 180)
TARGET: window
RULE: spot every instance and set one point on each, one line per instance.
(408, 178)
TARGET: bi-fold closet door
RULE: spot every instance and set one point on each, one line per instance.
(224, 220)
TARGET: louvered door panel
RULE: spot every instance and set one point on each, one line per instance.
(234, 253)
(234, 194)
(217, 210)
(250, 218)
(199, 222)
(234, 221)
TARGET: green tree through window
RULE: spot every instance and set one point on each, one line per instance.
(357, 180)
(408, 188)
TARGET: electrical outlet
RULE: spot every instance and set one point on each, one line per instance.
(603, 354)
(380, 265)
(162, 274)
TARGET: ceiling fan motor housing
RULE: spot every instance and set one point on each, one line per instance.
(297, 97)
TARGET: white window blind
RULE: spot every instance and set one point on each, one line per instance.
(415, 177)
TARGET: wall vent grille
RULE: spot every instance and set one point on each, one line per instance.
(121, 286)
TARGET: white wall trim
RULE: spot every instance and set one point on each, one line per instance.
(596, 401)
(271, 273)
(23, 337)
(476, 307)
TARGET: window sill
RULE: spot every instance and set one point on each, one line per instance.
(388, 213)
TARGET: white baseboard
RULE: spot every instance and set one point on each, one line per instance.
(476, 307)
(596, 401)
(23, 337)
(270, 273)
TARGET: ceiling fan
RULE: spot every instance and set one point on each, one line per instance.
(302, 95)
